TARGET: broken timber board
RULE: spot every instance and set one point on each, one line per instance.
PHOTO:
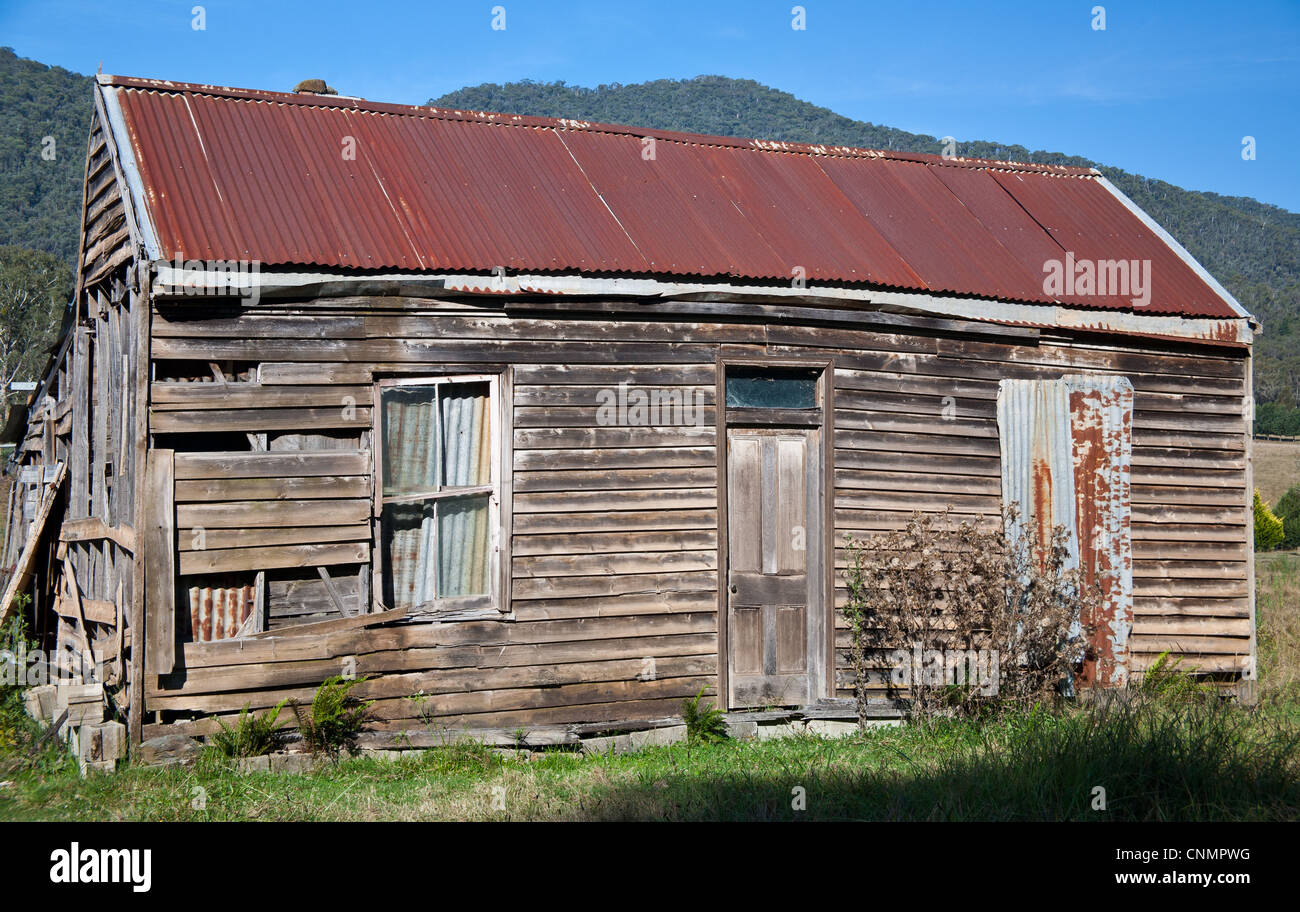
(23, 569)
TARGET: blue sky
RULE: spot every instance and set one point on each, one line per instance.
(1167, 89)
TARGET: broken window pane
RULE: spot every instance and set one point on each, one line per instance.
(758, 387)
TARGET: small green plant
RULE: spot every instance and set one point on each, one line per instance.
(335, 717)
(1166, 682)
(704, 724)
(251, 735)
(16, 727)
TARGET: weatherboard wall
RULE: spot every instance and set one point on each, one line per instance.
(613, 541)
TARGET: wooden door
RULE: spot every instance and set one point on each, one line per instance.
(774, 622)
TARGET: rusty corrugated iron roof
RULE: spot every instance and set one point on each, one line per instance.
(235, 174)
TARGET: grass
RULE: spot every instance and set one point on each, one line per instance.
(1277, 467)
(1200, 761)
(1277, 578)
(1157, 759)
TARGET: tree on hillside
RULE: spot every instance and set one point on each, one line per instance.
(35, 288)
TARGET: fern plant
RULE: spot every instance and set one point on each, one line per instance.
(704, 724)
(251, 735)
(335, 717)
(1166, 682)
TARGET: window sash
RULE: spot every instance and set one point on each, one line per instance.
(439, 604)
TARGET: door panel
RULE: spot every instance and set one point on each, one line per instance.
(774, 565)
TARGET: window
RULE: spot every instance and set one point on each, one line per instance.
(440, 493)
(782, 388)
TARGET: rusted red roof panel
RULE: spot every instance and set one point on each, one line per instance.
(309, 180)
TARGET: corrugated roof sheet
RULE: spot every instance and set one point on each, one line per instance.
(234, 174)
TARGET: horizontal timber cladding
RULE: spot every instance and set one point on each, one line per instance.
(613, 551)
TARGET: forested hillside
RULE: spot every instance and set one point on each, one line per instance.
(1252, 247)
(40, 181)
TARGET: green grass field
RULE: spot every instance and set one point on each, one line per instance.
(1155, 759)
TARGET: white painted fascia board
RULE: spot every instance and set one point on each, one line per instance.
(130, 168)
(171, 278)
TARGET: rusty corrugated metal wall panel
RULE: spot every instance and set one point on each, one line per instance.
(1101, 415)
(232, 174)
(219, 613)
(1037, 456)
(1066, 448)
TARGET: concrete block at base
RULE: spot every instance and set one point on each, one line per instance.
(618, 744)
(294, 763)
(657, 737)
(169, 750)
(742, 731)
(260, 764)
(778, 730)
(831, 728)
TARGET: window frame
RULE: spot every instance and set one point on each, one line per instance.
(496, 602)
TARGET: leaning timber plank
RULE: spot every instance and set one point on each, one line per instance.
(22, 571)
(273, 513)
(452, 683)
(273, 675)
(390, 646)
(470, 691)
(95, 529)
(224, 560)
(196, 466)
(361, 620)
(508, 720)
(282, 488)
(159, 523)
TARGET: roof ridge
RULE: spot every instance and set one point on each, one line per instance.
(346, 102)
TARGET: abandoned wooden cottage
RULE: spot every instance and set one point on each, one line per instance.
(542, 424)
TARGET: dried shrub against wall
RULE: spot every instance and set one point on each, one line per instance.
(962, 618)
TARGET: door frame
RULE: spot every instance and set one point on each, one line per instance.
(824, 688)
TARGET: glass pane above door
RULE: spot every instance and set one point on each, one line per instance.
(776, 388)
